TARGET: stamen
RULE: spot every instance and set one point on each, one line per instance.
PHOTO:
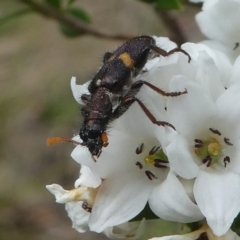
(86, 207)
(227, 141)
(159, 165)
(139, 165)
(199, 145)
(160, 160)
(236, 46)
(226, 160)
(150, 175)
(207, 160)
(139, 149)
(153, 150)
(215, 131)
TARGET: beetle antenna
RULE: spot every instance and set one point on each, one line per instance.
(55, 140)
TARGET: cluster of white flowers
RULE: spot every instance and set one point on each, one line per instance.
(187, 174)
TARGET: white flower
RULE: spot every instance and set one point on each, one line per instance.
(78, 204)
(219, 20)
(79, 201)
(130, 178)
(207, 148)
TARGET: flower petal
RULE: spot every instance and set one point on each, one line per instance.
(79, 90)
(213, 25)
(186, 111)
(119, 199)
(218, 197)
(82, 156)
(75, 211)
(87, 178)
(163, 202)
(229, 111)
(180, 158)
(209, 76)
(235, 71)
(56, 190)
(165, 135)
(78, 216)
(126, 230)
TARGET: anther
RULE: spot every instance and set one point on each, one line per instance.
(227, 141)
(159, 165)
(153, 150)
(150, 175)
(215, 131)
(86, 207)
(236, 46)
(198, 143)
(139, 165)
(158, 160)
(139, 149)
(207, 160)
(226, 160)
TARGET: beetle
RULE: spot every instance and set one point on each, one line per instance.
(113, 82)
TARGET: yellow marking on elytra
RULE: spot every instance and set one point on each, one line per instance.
(127, 60)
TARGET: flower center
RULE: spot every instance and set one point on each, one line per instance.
(211, 151)
(214, 148)
(149, 160)
(155, 159)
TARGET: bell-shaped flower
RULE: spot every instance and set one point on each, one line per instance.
(207, 148)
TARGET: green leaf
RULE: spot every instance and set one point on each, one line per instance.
(79, 13)
(76, 13)
(164, 5)
(69, 31)
(54, 3)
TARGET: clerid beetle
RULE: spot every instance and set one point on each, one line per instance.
(110, 83)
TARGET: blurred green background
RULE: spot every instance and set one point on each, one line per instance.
(36, 64)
